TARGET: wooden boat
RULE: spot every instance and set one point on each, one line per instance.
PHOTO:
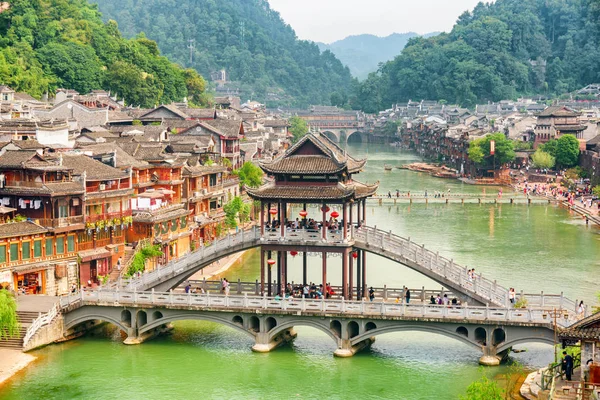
(388, 167)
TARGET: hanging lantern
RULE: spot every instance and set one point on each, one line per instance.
(293, 253)
(325, 209)
(335, 214)
(271, 262)
(355, 254)
(273, 211)
(303, 213)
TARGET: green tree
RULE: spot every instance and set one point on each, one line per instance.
(567, 152)
(550, 147)
(543, 160)
(298, 128)
(138, 264)
(484, 389)
(9, 325)
(232, 212)
(480, 149)
(250, 175)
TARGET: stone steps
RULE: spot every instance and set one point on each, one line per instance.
(115, 273)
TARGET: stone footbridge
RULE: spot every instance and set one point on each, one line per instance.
(478, 291)
(352, 325)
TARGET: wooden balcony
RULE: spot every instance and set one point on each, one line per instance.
(54, 223)
(107, 216)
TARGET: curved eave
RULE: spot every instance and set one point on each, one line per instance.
(363, 190)
(358, 167)
(315, 194)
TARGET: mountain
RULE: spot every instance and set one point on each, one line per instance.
(500, 50)
(47, 44)
(363, 53)
(248, 39)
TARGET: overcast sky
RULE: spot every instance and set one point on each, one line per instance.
(331, 20)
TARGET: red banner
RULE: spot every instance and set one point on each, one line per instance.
(492, 147)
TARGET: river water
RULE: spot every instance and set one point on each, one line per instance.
(532, 248)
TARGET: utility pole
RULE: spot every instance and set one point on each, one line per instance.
(192, 48)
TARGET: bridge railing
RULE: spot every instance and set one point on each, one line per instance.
(41, 320)
(437, 264)
(204, 251)
(260, 304)
(305, 235)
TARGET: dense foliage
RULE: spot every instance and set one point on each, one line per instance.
(499, 50)
(9, 326)
(543, 160)
(480, 150)
(250, 175)
(298, 128)
(138, 264)
(236, 210)
(47, 44)
(565, 150)
(247, 38)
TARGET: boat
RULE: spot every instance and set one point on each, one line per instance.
(388, 167)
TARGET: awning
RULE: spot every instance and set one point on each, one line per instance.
(6, 210)
(95, 254)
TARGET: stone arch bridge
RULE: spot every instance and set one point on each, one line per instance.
(270, 322)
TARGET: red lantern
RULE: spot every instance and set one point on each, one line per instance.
(293, 253)
(355, 254)
(335, 214)
(271, 262)
(303, 213)
(326, 209)
(273, 211)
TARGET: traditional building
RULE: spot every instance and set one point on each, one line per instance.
(315, 172)
(556, 121)
(586, 333)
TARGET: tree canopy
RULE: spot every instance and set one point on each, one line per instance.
(9, 325)
(236, 210)
(259, 51)
(298, 128)
(500, 50)
(250, 175)
(543, 160)
(567, 151)
(48, 44)
(480, 150)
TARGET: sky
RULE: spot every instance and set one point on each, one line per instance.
(330, 20)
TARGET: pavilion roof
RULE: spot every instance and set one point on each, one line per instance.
(322, 156)
(339, 191)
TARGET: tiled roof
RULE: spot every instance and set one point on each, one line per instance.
(587, 328)
(169, 107)
(94, 170)
(275, 123)
(303, 164)
(558, 111)
(19, 158)
(15, 229)
(200, 112)
(272, 191)
(225, 127)
(60, 188)
(30, 144)
(199, 170)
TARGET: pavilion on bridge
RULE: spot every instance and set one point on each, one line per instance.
(315, 171)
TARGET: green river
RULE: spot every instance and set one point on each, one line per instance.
(532, 248)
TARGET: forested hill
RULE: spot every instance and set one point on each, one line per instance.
(498, 51)
(247, 38)
(363, 53)
(47, 44)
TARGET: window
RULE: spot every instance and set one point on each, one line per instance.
(2, 254)
(183, 222)
(63, 209)
(37, 249)
(71, 244)
(174, 226)
(14, 252)
(60, 245)
(49, 248)
(26, 250)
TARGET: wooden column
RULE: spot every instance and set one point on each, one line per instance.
(364, 272)
(350, 213)
(358, 275)
(358, 213)
(269, 214)
(279, 262)
(304, 272)
(281, 219)
(262, 267)
(351, 282)
(324, 207)
(365, 212)
(324, 254)
(262, 219)
(284, 261)
(269, 277)
(345, 220)
(345, 274)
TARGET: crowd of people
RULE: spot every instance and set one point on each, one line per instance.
(333, 224)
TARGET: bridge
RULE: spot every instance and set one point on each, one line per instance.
(352, 325)
(478, 291)
(486, 319)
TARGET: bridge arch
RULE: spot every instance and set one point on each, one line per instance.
(356, 137)
(419, 328)
(92, 317)
(195, 317)
(313, 324)
(335, 137)
(530, 339)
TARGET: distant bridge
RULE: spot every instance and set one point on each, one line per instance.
(352, 325)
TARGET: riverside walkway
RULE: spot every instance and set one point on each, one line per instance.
(352, 325)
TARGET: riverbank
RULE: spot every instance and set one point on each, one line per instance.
(11, 362)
